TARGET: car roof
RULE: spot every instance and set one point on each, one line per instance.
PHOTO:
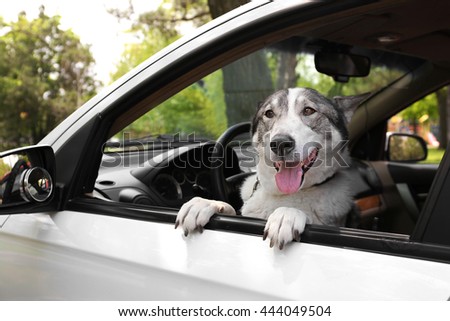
(414, 28)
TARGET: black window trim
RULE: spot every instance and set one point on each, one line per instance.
(434, 220)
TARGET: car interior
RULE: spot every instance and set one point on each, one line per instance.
(163, 148)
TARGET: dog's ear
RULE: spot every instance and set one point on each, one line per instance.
(348, 104)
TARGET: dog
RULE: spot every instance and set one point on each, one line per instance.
(300, 137)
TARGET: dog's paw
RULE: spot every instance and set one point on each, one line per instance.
(284, 225)
(196, 213)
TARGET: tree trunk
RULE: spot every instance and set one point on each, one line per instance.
(246, 81)
(219, 7)
(287, 63)
(443, 98)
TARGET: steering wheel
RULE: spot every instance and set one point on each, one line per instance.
(227, 189)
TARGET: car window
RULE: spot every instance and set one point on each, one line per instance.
(230, 95)
(201, 112)
(425, 118)
(168, 175)
(165, 158)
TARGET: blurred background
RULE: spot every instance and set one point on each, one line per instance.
(55, 55)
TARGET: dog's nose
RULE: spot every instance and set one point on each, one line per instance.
(282, 145)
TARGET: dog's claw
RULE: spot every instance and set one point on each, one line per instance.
(177, 223)
(297, 235)
(200, 228)
(281, 245)
(186, 232)
(272, 243)
(266, 232)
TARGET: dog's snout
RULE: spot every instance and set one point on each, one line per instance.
(282, 145)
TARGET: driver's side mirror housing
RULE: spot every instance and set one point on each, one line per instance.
(408, 148)
(27, 177)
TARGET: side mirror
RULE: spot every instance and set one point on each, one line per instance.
(341, 65)
(26, 176)
(402, 147)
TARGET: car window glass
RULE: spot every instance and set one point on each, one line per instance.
(425, 118)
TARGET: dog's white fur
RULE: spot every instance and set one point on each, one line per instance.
(324, 196)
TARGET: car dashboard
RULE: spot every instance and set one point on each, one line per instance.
(161, 177)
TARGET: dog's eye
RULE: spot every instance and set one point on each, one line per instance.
(308, 111)
(269, 113)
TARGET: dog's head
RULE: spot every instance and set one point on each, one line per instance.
(301, 138)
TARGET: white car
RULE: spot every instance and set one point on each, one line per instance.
(88, 213)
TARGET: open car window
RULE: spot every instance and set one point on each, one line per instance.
(165, 157)
(424, 118)
(230, 95)
(158, 169)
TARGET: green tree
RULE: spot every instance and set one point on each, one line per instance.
(246, 81)
(241, 87)
(45, 74)
(191, 111)
(425, 107)
(151, 42)
(154, 30)
(194, 109)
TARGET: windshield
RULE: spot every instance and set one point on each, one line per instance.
(230, 95)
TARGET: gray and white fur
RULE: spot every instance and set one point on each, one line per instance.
(300, 137)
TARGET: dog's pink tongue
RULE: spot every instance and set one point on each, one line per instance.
(289, 179)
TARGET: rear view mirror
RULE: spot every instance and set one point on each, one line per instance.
(26, 176)
(404, 147)
(341, 65)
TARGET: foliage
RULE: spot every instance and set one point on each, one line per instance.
(435, 156)
(192, 111)
(4, 169)
(309, 77)
(154, 30)
(197, 109)
(244, 82)
(169, 18)
(135, 53)
(173, 15)
(45, 73)
(427, 106)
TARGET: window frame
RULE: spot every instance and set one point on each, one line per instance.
(149, 89)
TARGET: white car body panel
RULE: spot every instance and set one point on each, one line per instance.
(87, 256)
(3, 219)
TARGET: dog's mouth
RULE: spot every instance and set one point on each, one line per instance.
(290, 174)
